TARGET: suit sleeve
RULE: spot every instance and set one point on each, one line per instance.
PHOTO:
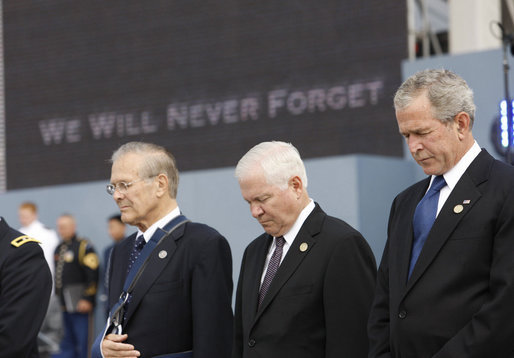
(237, 349)
(490, 332)
(212, 301)
(348, 291)
(26, 286)
(378, 323)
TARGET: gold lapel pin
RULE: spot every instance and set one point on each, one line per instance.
(457, 209)
(304, 247)
(162, 254)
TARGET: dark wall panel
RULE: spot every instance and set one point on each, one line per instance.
(206, 79)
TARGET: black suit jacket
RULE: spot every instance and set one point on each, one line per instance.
(317, 305)
(459, 301)
(25, 287)
(183, 299)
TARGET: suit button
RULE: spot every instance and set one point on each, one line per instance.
(402, 314)
(251, 343)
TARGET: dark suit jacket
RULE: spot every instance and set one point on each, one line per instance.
(25, 287)
(459, 301)
(183, 300)
(317, 305)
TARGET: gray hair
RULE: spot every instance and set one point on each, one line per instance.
(157, 161)
(447, 92)
(279, 162)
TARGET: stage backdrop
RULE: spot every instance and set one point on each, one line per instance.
(206, 79)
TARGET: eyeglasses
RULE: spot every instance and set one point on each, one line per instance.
(121, 187)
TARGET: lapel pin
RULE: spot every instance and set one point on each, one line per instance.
(304, 247)
(162, 254)
(467, 201)
(457, 209)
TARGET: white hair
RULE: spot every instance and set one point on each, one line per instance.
(278, 161)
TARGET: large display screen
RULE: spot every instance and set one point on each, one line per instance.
(206, 79)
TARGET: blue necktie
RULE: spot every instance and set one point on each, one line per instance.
(424, 218)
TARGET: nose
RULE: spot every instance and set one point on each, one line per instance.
(414, 144)
(256, 210)
(117, 195)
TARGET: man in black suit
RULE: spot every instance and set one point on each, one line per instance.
(306, 285)
(181, 303)
(446, 288)
(25, 287)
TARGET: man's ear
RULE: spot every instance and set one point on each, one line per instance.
(462, 122)
(296, 184)
(162, 185)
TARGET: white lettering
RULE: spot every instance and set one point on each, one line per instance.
(177, 114)
(275, 100)
(249, 108)
(297, 103)
(213, 112)
(102, 124)
(230, 111)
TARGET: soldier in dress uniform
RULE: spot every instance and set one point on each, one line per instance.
(25, 287)
(76, 279)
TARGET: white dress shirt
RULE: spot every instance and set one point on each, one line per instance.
(453, 175)
(288, 237)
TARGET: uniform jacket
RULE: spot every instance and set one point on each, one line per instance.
(76, 263)
(318, 302)
(182, 300)
(459, 301)
(25, 287)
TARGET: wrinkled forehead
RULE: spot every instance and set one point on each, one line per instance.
(126, 167)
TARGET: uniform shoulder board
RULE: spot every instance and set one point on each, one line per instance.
(20, 240)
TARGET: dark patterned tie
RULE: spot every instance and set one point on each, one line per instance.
(139, 244)
(424, 218)
(273, 265)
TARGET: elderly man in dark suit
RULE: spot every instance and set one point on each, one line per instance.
(180, 305)
(445, 286)
(306, 285)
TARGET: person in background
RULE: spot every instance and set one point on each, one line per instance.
(51, 331)
(31, 226)
(25, 288)
(116, 229)
(306, 284)
(76, 278)
(445, 286)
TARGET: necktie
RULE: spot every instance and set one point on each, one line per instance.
(139, 244)
(424, 218)
(273, 265)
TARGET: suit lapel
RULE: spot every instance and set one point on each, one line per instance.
(119, 268)
(294, 256)
(405, 223)
(254, 275)
(465, 193)
(153, 269)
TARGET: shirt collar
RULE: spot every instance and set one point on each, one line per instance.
(453, 175)
(159, 224)
(291, 234)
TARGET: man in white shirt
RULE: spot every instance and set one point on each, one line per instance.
(445, 286)
(31, 226)
(51, 330)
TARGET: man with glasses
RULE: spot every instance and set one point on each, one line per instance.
(180, 302)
